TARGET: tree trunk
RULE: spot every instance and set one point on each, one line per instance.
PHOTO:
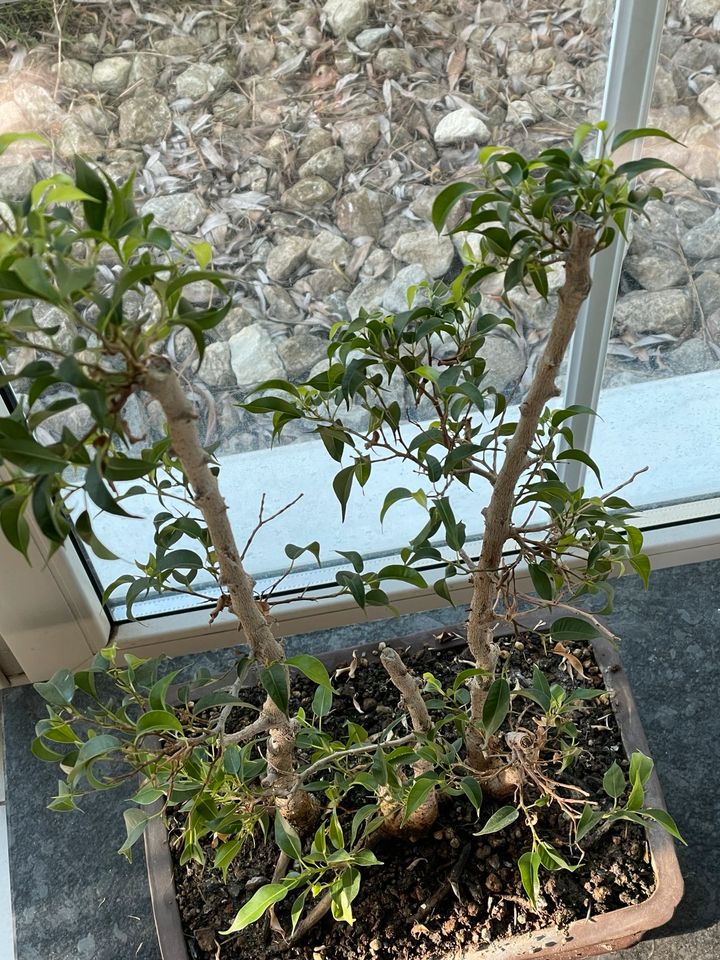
(162, 383)
(498, 516)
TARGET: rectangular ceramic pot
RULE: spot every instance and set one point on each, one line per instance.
(602, 934)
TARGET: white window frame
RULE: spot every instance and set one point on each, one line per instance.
(50, 613)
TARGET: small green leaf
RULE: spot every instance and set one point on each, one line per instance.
(541, 581)
(158, 721)
(58, 690)
(635, 167)
(581, 457)
(499, 820)
(419, 792)
(614, 781)
(261, 900)
(287, 838)
(225, 854)
(626, 136)
(471, 788)
(274, 680)
(400, 493)
(312, 668)
(665, 820)
(446, 200)
(297, 909)
(322, 701)
(529, 866)
(293, 552)
(135, 823)
(7, 139)
(342, 485)
(641, 566)
(572, 629)
(589, 819)
(496, 706)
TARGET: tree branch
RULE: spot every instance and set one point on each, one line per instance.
(498, 515)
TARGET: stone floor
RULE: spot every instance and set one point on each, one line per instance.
(75, 899)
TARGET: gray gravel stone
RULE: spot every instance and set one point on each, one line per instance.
(395, 299)
(707, 286)
(321, 284)
(74, 74)
(370, 40)
(692, 356)
(111, 75)
(328, 164)
(216, 369)
(285, 257)
(702, 9)
(360, 214)
(394, 62)
(358, 136)
(595, 12)
(315, 140)
(280, 305)
(460, 125)
(232, 108)
(254, 357)
(662, 227)
(658, 311)
(75, 137)
(328, 248)
(308, 194)
(346, 17)
(145, 68)
(144, 118)
(368, 294)
(37, 104)
(703, 241)
(505, 364)
(202, 80)
(709, 100)
(434, 253)
(181, 212)
(178, 47)
(16, 180)
(300, 353)
(656, 271)
(236, 319)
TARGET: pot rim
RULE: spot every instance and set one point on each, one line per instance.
(601, 934)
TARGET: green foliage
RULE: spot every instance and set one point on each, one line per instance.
(78, 246)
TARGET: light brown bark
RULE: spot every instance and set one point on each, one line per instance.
(162, 383)
(426, 814)
(498, 515)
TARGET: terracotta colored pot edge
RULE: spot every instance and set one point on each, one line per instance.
(603, 934)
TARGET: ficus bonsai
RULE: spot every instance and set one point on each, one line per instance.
(115, 283)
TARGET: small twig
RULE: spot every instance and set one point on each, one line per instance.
(450, 884)
(263, 520)
(254, 729)
(306, 925)
(625, 483)
(539, 602)
(350, 751)
(271, 920)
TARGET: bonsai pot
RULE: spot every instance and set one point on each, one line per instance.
(602, 934)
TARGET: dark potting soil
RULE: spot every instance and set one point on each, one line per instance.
(391, 922)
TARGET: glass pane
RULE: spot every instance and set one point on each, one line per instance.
(662, 376)
(306, 146)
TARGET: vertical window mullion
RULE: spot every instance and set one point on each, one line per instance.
(632, 59)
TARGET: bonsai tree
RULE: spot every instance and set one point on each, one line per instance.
(236, 764)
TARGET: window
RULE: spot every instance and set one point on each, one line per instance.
(309, 160)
